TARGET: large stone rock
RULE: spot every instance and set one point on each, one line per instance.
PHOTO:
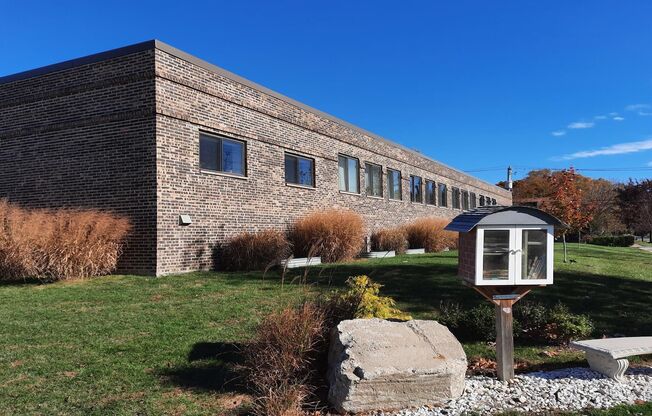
(381, 365)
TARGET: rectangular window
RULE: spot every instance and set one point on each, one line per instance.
(482, 202)
(374, 179)
(465, 200)
(299, 170)
(394, 184)
(493, 201)
(431, 190)
(443, 195)
(474, 201)
(455, 196)
(416, 193)
(220, 154)
(349, 174)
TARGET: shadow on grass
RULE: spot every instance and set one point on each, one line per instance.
(212, 366)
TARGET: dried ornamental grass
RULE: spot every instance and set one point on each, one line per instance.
(256, 251)
(429, 233)
(58, 244)
(389, 239)
(334, 235)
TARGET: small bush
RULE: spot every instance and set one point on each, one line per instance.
(58, 244)
(532, 322)
(611, 240)
(362, 300)
(281, 359)
(334, 235)
(255, 251)
(565, 326)
(389, 239)
(429, 233)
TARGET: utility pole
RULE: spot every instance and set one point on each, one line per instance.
(510, 182)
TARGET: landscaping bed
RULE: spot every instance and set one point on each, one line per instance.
(129, 345)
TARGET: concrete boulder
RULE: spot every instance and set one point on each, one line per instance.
(382, 365)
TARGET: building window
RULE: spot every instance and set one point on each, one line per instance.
(455, 196)
(493, 201)
(374, 179)
(416, 193)
(482, 200)
(220, 154)
(349, 173)
(394, 184)
(299, 170)
(474, 202)
(465, 200)
(443, 195)
(431, 198)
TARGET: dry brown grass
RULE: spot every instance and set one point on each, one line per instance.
(429, 233)
(58, 244)
(281, 359)
(334, 235)
(389, 239)
(256, 251)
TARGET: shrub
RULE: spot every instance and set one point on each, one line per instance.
(255, 251)
(429, 233)
(281, 359)
(334, 235)
(612, 240)
(565, 326)
(532, 321)
(362, 300)
(58, 244)
(389, 239)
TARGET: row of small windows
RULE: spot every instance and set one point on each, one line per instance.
(221, 154)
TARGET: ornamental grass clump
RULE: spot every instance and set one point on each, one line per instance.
(429, 233)
(334, 235)
(389, 239)
(58, 244)
(256, 251)
(282, 359)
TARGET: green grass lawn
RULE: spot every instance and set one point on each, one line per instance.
(136, 345)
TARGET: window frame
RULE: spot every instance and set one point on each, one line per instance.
(220, 140)
(442, 202)
(347, 175)
(400, 185)
(434, 192)
(297, 157)
(464, 196)
(473, 200)
(456, 202)
(367, 182)
(412, 187)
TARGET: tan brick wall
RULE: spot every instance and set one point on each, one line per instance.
(191, 99)
(85, 138)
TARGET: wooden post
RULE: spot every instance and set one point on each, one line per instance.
(504, 298)
(504, 340)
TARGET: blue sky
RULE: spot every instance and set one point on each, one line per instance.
(478, 85)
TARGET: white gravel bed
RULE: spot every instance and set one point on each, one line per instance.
(566, 389)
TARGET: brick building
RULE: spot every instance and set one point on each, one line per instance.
(152, 133)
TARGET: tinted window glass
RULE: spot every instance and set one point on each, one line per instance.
(394, 184)
(373, 179)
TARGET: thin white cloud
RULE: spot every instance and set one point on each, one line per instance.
(616, 149)
(618, 118)
(649, 163)
(600, 117)
(640, 109)
(637, 107)
(558, 133)
(613, 114)
(581, 125)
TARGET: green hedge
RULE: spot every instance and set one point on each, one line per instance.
(612, 240)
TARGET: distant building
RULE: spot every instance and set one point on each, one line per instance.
(194, 154)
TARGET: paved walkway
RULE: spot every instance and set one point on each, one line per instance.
(646, 248)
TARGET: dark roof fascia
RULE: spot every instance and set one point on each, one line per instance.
(151, 44)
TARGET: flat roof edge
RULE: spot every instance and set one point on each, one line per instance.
(84, 60)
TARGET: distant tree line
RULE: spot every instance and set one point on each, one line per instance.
(587, 205)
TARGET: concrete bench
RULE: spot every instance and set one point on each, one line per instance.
(609, 356)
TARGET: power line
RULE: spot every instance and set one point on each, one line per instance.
(623, 169)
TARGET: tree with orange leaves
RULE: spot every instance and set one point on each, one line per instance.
(566, 204)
